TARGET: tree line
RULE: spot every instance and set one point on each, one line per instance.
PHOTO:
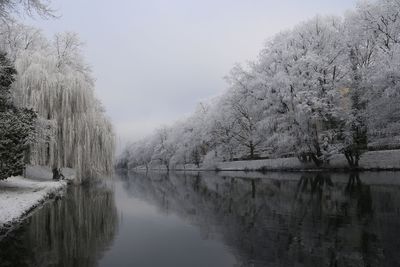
(328, 86)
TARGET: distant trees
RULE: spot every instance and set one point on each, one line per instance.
(17, 125)
(164, 148)
(330, 85)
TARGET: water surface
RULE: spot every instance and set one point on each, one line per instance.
(216, 219)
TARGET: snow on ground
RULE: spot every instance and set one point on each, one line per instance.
(19, 195)
(44, 173)
(372, 160)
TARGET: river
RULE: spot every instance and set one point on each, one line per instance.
(216, 219)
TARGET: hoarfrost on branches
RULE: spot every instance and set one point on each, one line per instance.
(330, 85)
(53, 79)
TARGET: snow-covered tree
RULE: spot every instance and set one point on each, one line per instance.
(330, 85)
(221, 130)
(381, 20)
(246, 110)
(40, 7)
(17, 125)
(307, 78)
(165, 148)
(54, 80)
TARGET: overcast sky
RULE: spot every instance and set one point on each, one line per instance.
(154, 60)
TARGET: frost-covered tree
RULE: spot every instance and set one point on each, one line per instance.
(139, 154)
(197, 140)
(40, 7)
(304, 82)
(221, 130)
(330, 85)
(360, 57)
(246, 110)
(17, 125)
(164, 148)
(54, 80)
(381, 20)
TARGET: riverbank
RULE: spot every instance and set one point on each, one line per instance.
(369, 161)
(19, 196)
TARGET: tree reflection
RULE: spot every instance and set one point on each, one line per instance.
(73, 231)
(314, 220)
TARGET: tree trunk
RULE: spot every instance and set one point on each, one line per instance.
(315, 156)
(253, 189)
(316, 160)
(167, 166)
(352, 158)
(349, 158)
(251, 146)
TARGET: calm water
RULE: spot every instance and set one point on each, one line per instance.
(224, 219)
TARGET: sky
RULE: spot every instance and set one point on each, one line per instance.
(154, 60)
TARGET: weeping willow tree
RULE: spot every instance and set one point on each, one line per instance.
(54, 80)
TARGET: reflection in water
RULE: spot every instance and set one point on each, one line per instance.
(288, 220)
(292, 219)
(72, 231)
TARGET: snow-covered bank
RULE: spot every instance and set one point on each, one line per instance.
(373, 160)
(19, 195)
